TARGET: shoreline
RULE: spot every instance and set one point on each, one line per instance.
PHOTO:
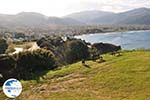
(111, 32)
(119, 38)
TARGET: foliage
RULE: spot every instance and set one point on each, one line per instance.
(3, 46)
(76, 50)
(94, 53)
(50, 42)
(125, 77)
(30, 63)
(27, 65)
(65, 52)
(7, 67)
(106, 47)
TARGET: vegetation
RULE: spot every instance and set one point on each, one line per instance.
(27, 65)
(76, 50)
(7, 66)
(106, 47)
(94, 53)
(124, 77)
(30, 64)
(72, 50)
(51, 73)
(3, 46)
(66, 52)
(71, 68)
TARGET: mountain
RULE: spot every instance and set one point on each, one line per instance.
(32, 19)
(23, 19)
(29, 19)
(88, 16)
(63, 21)
(136, 16)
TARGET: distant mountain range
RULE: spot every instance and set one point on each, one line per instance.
(88, 16)
(136, 16)
(29, 19)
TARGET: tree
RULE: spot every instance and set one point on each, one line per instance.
(76, 50)
(51, 43)
(3, 46)
(106, 47)
(68, 51)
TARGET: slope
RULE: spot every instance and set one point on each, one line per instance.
(126, 77)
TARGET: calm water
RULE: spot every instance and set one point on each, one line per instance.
(127, 40)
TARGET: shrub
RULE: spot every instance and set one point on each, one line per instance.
(31, 64)
(94, 53)
(66, 52)
(7, 68)
(3, 46)
(76, 50)
(27, 65)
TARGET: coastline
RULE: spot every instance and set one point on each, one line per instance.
(111, 32)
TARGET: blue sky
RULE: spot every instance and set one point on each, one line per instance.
(64, 7)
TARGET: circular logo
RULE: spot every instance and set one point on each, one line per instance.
(12, 88)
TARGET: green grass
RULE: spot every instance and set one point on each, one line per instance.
(119, 78)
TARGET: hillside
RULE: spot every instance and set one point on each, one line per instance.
(126, 77)
(135, 16)
(63, 21)
(88, 16)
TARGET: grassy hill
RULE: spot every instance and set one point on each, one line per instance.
(126, 77)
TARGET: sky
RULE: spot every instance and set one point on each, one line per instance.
(61, 8)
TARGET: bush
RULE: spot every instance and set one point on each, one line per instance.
(94, 53)
(106, 47)
(27, 65)
(7, 68)
(3, 46)
(66, 52)
(31, 64)
(76, 50)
